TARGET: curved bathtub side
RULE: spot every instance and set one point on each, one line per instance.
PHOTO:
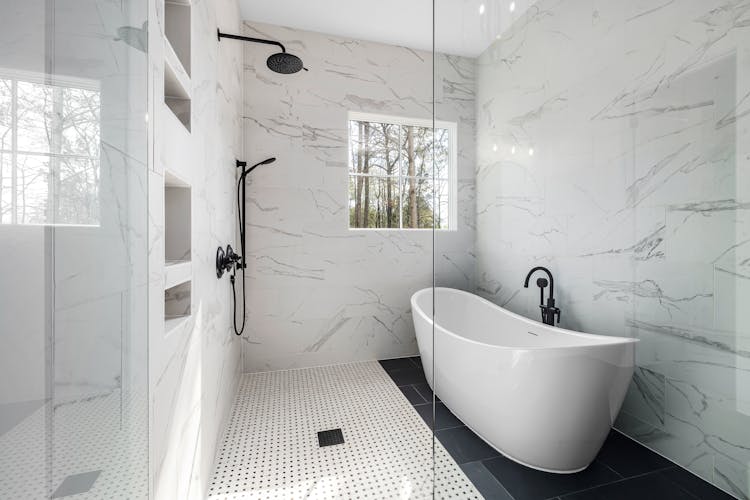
(422, 319)
(549, 409)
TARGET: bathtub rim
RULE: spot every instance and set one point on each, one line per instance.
(610, 340)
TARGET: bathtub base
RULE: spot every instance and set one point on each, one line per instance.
(525, 464)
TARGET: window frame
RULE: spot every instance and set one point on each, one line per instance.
(25, 76)
(452, 169)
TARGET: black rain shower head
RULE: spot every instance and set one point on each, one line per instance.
(282, 62)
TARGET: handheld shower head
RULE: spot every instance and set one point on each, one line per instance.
(242, 164)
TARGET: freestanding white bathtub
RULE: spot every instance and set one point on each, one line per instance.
(540, 395)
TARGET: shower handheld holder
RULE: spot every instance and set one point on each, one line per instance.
(228, 261)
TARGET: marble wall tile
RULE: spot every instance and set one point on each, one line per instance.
(194, 367)
(611, 148)
(319, 293)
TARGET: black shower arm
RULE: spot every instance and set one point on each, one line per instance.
(249, 39)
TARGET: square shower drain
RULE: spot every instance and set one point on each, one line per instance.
(329, 438)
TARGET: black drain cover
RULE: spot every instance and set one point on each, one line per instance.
(329, 438)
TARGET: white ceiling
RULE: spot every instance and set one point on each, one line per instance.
(460, 28)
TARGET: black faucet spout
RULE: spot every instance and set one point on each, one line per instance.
(549, 274)
(549, 311)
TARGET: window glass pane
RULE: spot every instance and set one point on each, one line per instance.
(77, 193)
(6, 103)
(373, 202)
(442, 203)
(35, 117)
(80, 122)
(32, 189)
(415, 150)
(416, 196)
(6, 188)
(373, 148)
(442, 153)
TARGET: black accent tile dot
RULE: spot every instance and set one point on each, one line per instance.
(330, 438)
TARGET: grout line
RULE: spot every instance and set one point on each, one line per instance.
(613, 482)
(492, 476)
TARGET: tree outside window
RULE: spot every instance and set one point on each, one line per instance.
(49, 152)
(396, 179)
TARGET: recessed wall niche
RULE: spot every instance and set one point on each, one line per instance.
(177, 220)
(177, 59)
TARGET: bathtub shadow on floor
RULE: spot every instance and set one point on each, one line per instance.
(623, 469)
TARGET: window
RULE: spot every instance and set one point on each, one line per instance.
(49, 151)
(393, 181)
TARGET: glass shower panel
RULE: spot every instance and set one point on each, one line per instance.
(611, 146)
(73, 368)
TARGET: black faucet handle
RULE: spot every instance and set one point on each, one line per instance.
(542, 282)
(558, 312)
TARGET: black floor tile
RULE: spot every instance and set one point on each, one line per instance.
(409, 376)
(425, 391)
(390, 365)
(412, 395)
(486, 483)
(417, 361)
(465, 446)
(628, 458)
(695, 485)
(444, 419)
(652, 486)
(525, 483)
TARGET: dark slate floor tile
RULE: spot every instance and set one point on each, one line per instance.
(444, 419)
(465, 446)
(486, 483)
(412, 395)
(409, 376)
(628, 458)
(525, 483)
(417, 361)
(652, 486)
(390, 365)
(425, 391)
(695, 485)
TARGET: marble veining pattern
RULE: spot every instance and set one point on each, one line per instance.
(319, 293)
(612, 147)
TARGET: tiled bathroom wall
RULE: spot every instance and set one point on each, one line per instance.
(318, 292)
(194, 366)
(613, 149)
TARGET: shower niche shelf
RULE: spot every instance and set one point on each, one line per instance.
(178, 266)
(177, 230)
(177, 305)
(177, 64)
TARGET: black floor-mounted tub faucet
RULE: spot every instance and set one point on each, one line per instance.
(549, 311)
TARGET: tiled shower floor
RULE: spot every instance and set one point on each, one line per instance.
(270, 449)
(623, 470)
